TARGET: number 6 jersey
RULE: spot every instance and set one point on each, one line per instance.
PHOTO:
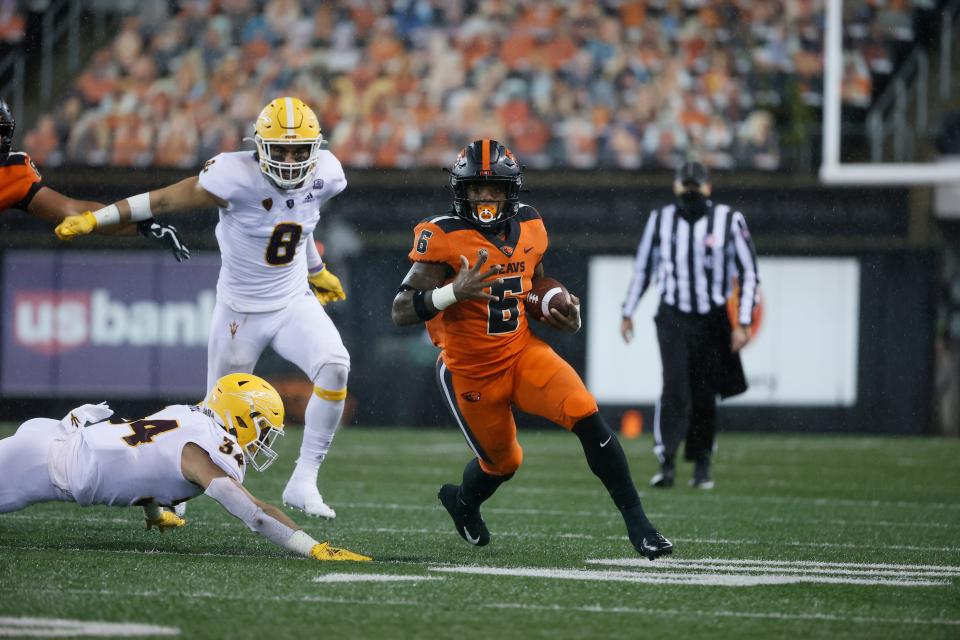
(481, 337)
(126, 463)
(263, 231)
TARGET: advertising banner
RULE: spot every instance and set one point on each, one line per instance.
(117, 324)
(804, 353)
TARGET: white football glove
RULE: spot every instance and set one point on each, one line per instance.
(86, 414)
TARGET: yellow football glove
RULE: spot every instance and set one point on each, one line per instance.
(324, 551)
(167, 520)
(326, 286)
(73, 226)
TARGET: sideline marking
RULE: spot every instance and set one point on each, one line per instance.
(59, 628)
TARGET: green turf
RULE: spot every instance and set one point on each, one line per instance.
(829, 499)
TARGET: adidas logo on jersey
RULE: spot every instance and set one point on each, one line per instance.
(309, 198)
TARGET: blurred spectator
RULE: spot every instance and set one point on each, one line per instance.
(581, 84)
(12, 23)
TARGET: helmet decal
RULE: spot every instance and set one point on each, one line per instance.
(486, 162)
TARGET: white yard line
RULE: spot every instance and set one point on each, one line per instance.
(641, 562)
(57, 628)
(704, 579)
(734, 567)
(371, 577)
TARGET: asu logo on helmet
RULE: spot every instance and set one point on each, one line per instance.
(249, 407)
(288, 138)
(486, 161)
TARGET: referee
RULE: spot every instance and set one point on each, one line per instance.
(693, 249)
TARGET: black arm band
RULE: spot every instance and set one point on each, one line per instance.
(420, 306)
(24, 204)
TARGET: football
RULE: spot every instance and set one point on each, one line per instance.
(546, 294)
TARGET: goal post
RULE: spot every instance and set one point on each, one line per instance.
(832, 171)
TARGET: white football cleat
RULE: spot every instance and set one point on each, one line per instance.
(306, 497)
(180, 509)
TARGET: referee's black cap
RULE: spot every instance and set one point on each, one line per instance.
(692, 173)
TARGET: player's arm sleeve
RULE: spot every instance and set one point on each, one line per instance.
(644, 265)
(338, 180)
(430, 244)
(542, 240)
(746, 260)
(24, 203)
(217, 179)
(314, 260)
(23, 182)
(242, 506)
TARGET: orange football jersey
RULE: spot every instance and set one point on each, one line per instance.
(480, 337)
(19, 181)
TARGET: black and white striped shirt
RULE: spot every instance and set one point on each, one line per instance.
(694, 264)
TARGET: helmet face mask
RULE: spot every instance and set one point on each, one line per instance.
(486, 200)
(259, 451)
(251, 409)
(481, 165)
(287, 127)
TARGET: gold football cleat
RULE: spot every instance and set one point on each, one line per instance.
(167, 520)
(324, 551)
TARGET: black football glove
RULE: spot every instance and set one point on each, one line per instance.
(167, 234)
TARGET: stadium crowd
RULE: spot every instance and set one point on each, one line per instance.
(579, 84)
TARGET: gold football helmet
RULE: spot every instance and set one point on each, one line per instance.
(287, 127)
(250, 408)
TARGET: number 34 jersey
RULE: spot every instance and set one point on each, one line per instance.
(124, 463)
(481, 337)
(263, 230)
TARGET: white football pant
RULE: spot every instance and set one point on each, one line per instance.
(25, 460)
(303, 334)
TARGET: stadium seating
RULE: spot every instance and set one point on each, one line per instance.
(585, 84)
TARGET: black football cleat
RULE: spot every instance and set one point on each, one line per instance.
(701, 475)
(466, 519)
(653, 545)
(664, 478)
(643, 535)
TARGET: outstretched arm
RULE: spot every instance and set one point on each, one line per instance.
(185, 195)
(419, 298)
(52, 206)
(265, 519)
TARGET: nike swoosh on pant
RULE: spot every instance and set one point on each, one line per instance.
(606, 442)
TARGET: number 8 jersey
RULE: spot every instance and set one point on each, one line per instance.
(480, 337)
(127, 463)
(263, 231)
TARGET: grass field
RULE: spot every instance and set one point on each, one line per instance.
(837, 537)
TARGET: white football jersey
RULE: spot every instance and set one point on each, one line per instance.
(126, 463)
(263, 231)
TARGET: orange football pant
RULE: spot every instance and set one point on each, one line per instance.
(538, 382)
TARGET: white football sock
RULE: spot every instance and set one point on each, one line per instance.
(322, 420)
